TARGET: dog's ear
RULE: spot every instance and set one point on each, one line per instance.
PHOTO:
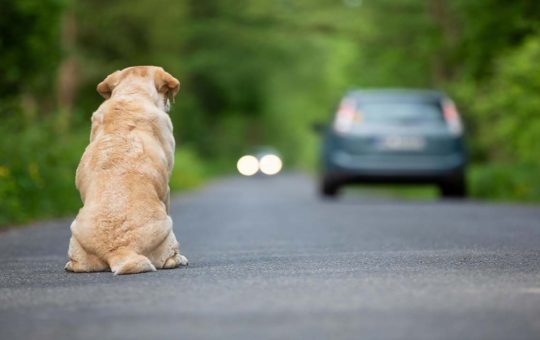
(166, 84)
(106, 87)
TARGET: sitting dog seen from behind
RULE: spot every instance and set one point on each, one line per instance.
(123, 178)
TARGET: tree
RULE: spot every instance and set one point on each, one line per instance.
(29, 32)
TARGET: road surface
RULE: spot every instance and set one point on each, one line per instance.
(269, 260)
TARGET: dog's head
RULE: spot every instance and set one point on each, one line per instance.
(153, 80)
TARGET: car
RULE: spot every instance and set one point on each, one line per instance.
(394, 136)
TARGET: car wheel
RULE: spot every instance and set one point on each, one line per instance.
(454, 187)
(329, 188)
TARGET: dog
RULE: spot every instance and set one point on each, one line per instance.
(124, 225)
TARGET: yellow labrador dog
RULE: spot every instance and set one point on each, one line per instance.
(123, 178)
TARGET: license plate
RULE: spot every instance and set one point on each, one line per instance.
(402, 143)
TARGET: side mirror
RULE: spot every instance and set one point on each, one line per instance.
(318, 127)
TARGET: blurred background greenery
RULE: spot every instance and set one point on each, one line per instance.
(260, 72)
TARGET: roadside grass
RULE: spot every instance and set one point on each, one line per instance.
(505, 182)
(189, 171)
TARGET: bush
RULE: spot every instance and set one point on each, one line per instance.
(37, 170)
(503, 116)
(509, 110)
(505, 182)
(188, 172)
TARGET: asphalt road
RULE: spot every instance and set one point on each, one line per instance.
(269, 260)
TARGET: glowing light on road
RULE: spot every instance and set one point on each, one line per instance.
(247, 165)
(270, 164)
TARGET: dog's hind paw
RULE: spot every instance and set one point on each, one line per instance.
(183, 260)
(175, 261)
(69, 266)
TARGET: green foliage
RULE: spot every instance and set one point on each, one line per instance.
(505, 182)
(37, 170)
(257, 72)
(510, 106)
(247, 67)
(490, 28)
(189, 170)
(29, 41)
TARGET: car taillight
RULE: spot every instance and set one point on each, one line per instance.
(345, 116)
(451, 116)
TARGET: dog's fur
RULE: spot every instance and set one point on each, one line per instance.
(123, 178)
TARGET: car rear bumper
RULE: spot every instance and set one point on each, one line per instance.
(394, 168)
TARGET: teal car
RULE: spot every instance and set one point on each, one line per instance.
(394, 136)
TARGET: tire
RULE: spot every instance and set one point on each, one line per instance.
(329, 188)
(454, 187)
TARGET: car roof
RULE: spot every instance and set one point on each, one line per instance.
(408, 95)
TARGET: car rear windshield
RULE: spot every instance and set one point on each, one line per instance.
(397, 113)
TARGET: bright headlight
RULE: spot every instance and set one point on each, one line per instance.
(270, 164)
(247, 165)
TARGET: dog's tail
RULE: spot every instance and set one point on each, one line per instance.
(128, 262)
